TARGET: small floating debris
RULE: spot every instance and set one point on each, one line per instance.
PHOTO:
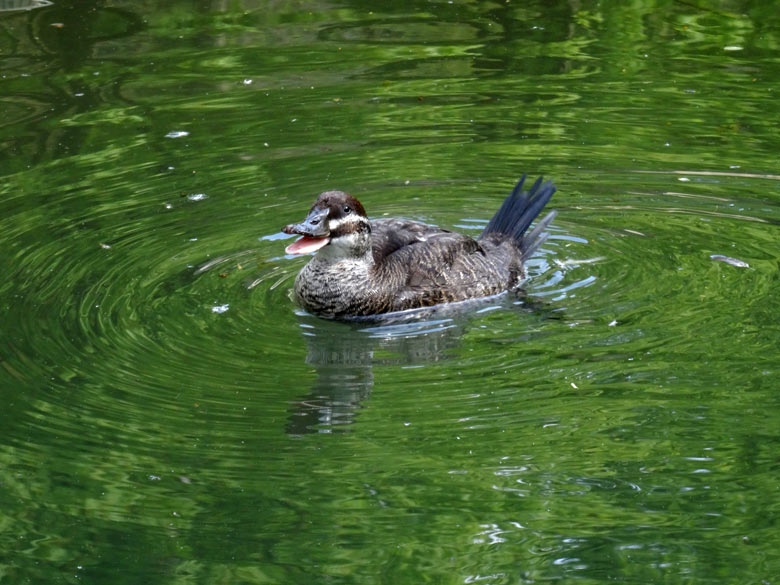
(729, 260)
(197, 196)
(219, 309)
(177, 134)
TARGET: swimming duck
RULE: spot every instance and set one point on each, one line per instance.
(367, 267)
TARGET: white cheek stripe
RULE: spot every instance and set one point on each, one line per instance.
(335, 224)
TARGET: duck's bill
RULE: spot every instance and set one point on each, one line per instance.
(306, 245)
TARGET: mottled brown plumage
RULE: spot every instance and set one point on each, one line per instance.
(364, 267)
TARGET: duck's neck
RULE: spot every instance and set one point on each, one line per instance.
(354, 247)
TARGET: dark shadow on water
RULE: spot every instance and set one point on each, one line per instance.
(65, 44)
(344, 354)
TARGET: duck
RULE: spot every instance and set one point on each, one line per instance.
(363, 267)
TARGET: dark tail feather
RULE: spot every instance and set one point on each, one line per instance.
(517, 212)
(536, 237)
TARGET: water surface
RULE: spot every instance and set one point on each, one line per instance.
(169, 416)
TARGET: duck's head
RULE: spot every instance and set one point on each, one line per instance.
(336, 221)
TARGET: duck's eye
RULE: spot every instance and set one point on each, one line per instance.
(347, 209)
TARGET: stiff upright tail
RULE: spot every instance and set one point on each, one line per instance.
(517, 212)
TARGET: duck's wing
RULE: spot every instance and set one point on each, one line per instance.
(391, 235)
(443, 267)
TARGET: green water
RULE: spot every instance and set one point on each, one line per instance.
(169, 416)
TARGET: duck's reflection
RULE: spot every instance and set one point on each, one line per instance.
(344, 355)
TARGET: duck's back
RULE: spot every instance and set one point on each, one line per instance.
(424, 265)
(391, 234)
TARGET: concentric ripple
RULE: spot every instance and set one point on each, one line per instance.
(144, 303)
(155, 330)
